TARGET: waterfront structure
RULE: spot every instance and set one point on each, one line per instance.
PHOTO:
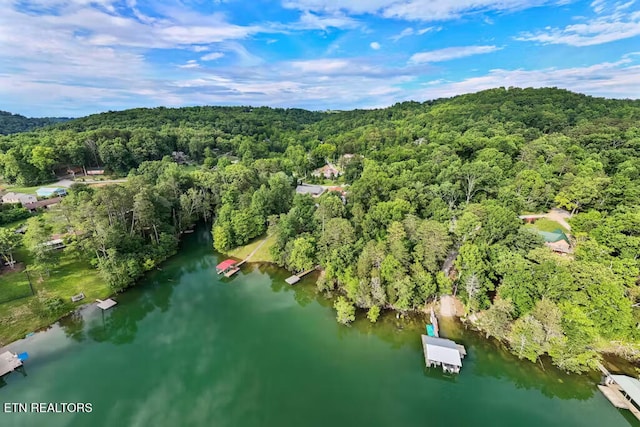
(228, 267)
(9, 362)
(443, 352)
(621, 390)
(106, 304)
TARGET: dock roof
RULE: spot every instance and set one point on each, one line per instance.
(629, 385)
(441, 350)
(225, 264)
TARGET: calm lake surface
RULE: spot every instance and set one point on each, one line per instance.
(186, 348)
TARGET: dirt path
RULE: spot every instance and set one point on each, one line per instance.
(560, 216)
(254, 251)
(450, 306)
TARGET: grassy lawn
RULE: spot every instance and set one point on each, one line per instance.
(545, 224)
(70, 277)
(25, 190)
(13, 284)
(262, 255)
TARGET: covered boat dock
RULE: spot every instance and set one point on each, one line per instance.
(228, 267)
(622, 391)
(443, 352)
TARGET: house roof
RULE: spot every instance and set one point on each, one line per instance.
(309, 189)
(19, 196)
(442, 350)
(553, 236)
(42, 203)
(630, 385)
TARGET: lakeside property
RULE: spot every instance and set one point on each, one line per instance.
(188, 320)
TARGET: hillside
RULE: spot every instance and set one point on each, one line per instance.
(14, 123)
(431, 208)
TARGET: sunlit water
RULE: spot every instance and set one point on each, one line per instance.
(186, 348)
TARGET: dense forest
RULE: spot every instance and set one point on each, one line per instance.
(433, 194)
(14, 123)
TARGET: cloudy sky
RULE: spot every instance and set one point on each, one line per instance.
(74, 57)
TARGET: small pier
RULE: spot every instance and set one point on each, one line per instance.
(621, 390)
(106, 304)
(9, 362)
(297, 277)
(434, 331)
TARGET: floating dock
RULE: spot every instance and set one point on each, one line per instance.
(9, 362)
(297, 277)
(230, 272)
(106, 304)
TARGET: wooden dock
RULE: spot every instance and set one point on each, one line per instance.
(106, 304)
(9, 362)
(297, 277)
(231, 272)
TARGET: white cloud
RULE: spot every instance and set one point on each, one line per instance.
(415, 10)
(311, 21)
(404, 33)
(409, 31)
(603, 29)
(321, 66)
(212, 56)
(450, 53)
(190, 64)
(598, 6)
(428, 29)
(610, 79)
(375, 45)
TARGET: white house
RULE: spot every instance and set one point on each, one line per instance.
(21, 198)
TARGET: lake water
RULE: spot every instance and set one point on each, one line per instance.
(186, 348)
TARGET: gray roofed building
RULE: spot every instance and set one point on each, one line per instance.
(314, 190)
(630, 386)
(442, 352)
(21, 198)
(622, 391)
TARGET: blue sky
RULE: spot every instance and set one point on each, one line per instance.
(75, 57)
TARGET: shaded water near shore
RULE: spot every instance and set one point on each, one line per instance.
(186, 348)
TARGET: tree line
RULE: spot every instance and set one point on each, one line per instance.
(432, 204)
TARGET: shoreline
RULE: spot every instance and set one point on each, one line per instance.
(611, 360)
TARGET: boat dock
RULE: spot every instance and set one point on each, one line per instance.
(621, 390)
(443, 352)
(106, 304)
(297, 277)
(440, 351)
(228, 267)
(9, 362)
